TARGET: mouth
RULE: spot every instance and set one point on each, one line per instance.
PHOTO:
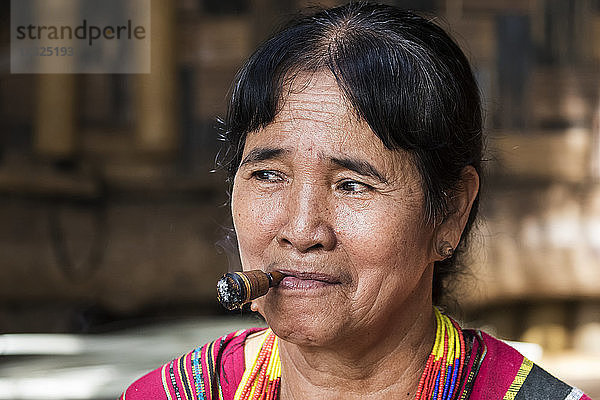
(296, 280)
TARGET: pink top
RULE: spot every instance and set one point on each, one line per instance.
(498, 371)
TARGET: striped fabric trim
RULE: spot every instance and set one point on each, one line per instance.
(478, 359)
(197, 373)
(174, 384)
(175, 379)
(163, 376)
(210, 371)
(174, 364)
(204, 361)
(206, 372)
(575, 394)
(515, 386)
(185, 378)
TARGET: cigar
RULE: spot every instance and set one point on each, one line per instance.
(235, 289)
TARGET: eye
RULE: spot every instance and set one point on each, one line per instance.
(267, 176)
(353, 187)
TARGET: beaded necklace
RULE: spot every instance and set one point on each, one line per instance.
(440, 380)
(261, 381)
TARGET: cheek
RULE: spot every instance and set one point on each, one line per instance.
(387, 255)
(379, 230)
(255, 219)
(380, 243)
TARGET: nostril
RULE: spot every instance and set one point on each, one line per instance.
(302, 247)
(307, 235)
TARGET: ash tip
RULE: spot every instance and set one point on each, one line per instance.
(229, 293)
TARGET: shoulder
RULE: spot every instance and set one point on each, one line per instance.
(214, 367)
(506, 373)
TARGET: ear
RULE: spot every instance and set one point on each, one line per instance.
(459, 202)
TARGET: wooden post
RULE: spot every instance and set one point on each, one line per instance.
(55, 135)
(156, 95)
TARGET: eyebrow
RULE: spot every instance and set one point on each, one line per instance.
(263, 153)
(359, 166)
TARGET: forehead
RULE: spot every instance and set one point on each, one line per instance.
(316, 99)
(314, 115)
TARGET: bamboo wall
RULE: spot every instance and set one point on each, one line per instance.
(109, 210)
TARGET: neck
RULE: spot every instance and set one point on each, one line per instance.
(384, 362)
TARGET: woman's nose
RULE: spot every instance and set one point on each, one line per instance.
(308, 224)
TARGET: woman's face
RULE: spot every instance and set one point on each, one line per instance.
(319, 197)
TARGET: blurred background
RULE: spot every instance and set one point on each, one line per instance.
(112, 223)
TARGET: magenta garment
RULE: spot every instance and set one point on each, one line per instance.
(501, 370)
(192, 376)
(498, 372)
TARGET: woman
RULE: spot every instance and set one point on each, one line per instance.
(356, 140)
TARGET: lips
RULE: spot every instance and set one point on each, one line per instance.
(296, 280)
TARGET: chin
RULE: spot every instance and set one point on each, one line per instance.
(303, 334)
(306, 326)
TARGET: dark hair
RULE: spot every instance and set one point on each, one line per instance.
(401, 73)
